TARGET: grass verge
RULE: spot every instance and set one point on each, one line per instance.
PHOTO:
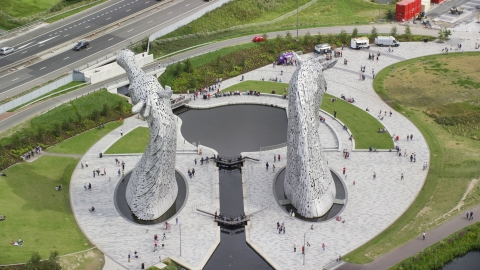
(133, 142)
(80, 144)
(36, 212)
(436, 256)
(72, 12)
(454, 159)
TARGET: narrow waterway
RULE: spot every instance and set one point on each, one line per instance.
(471, 261)
(231, 130)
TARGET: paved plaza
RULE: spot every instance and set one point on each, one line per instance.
(372, 204)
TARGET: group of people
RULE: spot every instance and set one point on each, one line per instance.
(87, 186)
(469, 215)
(371, 56)
(2, 218)
(191, 173)
(281, 227)
(31, 153)
(18, 243)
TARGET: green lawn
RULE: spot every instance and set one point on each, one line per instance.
(24, 8)
(363, 126)
(36, 212)
(81, 143)
(133, 142)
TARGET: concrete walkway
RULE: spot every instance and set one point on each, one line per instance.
(416, 245)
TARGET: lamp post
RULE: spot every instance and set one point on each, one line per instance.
(297, 20)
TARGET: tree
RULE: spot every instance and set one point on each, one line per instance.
(319, 38)
(441, 36)
(373, 33)
(447, 33)
(408, 32)
(354, 32)
(343, 36)
(35, 262)
(288, 36)
(307, 39)
(393, 31)
(188, 66)
(390, 15)
(177, 70)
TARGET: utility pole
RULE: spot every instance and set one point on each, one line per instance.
(297, 21)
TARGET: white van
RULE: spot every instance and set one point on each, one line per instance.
(6, 50)
(386, 41)
(323, 48)
(359, 43)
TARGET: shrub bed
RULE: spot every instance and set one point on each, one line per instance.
(202, 71)
(62, 123)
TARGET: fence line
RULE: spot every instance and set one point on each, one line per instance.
(271, 147)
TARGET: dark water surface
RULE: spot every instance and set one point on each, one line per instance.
(471, 261)
(231, 130)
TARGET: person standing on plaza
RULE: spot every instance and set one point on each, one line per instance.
(273, 167)
(274, 157)
(266, 165)
(344, 169)
(278, 223)
(323, 246)
(402, 176)
(303, 249)
(278, 157)
(374, 175)
(195, 160)
(294, 248)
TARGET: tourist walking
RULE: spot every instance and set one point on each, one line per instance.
(467, 214)
(471, 215)
(294, 248)
(278, 222)
(273, 167)
(266, 165)
(423, 235)
(344, 169)
(401, 177)
(278, 157)
(303, 249)
(274, 157)
(374, 175)
(323, 246)
(195, 160)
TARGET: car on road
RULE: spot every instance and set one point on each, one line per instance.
(258, 39)
(81, 45)
(6, 50)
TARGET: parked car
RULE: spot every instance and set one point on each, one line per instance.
(386, 41)
(81, 45)
(6, 50)
(258, 39)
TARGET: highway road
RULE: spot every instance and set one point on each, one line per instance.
(43, 106)
(26, 78)
(71, 30)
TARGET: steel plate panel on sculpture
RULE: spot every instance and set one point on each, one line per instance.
(308, 183)
(152, 188)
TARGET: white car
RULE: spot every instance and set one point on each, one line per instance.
(6, 50)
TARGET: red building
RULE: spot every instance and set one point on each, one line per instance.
(437, 1)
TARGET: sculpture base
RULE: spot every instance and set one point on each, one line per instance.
(124, 210)
(335, 210)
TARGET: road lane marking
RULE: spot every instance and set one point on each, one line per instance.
(24, 52)
(14, 79)
(66, 58)
(87, 27)
(187, 5)
(43, 41)
(42, 68)
(147, 2)
(169, 13)
(89, 48)
(128, 10)
(41, 45)
(150, 21)
(66, 35)
(110, 39)
(108, 18)
(21, 47)
(130, 30)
